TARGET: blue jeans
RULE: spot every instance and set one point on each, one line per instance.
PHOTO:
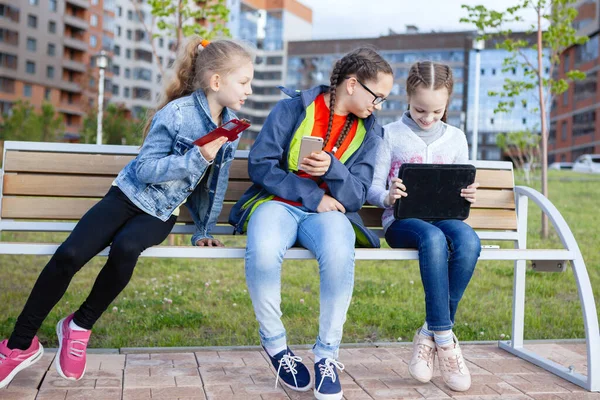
(448, 253)
(275, 227)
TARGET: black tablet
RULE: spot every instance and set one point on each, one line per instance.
(434, 191)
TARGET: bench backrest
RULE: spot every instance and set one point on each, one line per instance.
(60, 182)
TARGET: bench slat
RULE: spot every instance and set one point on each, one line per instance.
(495, 179)
(19, 207)
(97, 186)
(80, 186)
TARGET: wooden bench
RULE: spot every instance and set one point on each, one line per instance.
(46, 187)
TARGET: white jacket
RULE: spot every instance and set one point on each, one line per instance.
(401, 145)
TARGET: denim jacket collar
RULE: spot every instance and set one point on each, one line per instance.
(202, 103)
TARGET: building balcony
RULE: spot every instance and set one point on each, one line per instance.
(70, 86)
(79, 3)
(75, 44)
(76, 22)
(70, 108)
(74, 65)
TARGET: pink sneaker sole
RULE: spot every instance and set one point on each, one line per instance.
(57, 357)
(27, 363)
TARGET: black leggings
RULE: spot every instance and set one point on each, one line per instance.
(114, 221)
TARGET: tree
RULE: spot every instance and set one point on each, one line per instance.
(523, 148)
(180, 18)
(24, 123)
(554, 33)
(117, 128)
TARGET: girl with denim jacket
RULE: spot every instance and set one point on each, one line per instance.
(313, 202)
(140, 209)
(448, 249)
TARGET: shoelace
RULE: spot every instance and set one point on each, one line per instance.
(289, 365)
(425, 354)
(2, 358)
(77, 352)
(454, 363)
(328, 370)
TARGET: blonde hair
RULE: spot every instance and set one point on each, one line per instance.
(196, 61)
(432, 76)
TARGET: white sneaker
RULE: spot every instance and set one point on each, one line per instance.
(421, 363)
(453, 367)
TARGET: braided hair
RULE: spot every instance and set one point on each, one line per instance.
(366, 64)
(433, 76)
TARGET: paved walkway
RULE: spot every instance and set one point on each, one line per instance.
(371, 373)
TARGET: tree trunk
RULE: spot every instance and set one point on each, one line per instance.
(544, 158)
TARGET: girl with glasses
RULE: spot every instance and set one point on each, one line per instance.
(313, 202)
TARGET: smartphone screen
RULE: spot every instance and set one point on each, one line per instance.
(309, 144)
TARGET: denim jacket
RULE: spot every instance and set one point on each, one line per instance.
(268, 167)
(170, 169)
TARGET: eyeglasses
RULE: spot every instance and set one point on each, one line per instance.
(377, 99)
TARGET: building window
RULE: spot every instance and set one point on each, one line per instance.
(126, 92)
(116, 70)
(493, 71)
(50, 72)
(524, 120)
(584, 123)
(30, 67)
(51, 49)
(94, 2)
(93, 40)
(47, 94)
(127, 73)
(566, 63)
(32, 21)
(92, 83)
(115, 90)
(482, 71)
(566, 98)
(117, 50)
(563, 133)
(119, 11)
(31, 44)
(53, 5)
(27, 90)
(128, 53)
(129, 34)
(118, 31)
(130, 15)
(34, 2)
(7, 85)
(587, 51)
(94, 20)
(586, 88)
(161, 42)
(51, 26)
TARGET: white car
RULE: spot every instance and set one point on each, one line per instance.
(588, 163)
(561, 165)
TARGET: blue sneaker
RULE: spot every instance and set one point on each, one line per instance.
(327, 380)
(291, 371)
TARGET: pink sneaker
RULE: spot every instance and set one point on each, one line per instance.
(13, 361)
(70, 360)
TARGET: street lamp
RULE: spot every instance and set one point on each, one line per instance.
(478, 45)
(102, 63)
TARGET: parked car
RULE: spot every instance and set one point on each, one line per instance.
(561, 165)
(589, 163)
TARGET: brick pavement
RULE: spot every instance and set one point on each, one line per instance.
(371, 373)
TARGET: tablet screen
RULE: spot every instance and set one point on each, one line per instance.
(434, 191)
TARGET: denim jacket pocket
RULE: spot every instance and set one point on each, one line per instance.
(182, 145)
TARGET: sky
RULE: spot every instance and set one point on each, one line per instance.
(334, 19)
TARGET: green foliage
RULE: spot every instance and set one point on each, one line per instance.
(558, 16)
(117, 128)
(25, 123)
(184, 16)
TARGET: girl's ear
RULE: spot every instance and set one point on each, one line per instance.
(351, 85)
(215, 82)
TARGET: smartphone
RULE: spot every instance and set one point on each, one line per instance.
(308, 145)
(231, 130)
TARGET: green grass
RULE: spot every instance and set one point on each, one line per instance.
(210, 304)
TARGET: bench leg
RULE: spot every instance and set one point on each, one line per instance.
(590, 382)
